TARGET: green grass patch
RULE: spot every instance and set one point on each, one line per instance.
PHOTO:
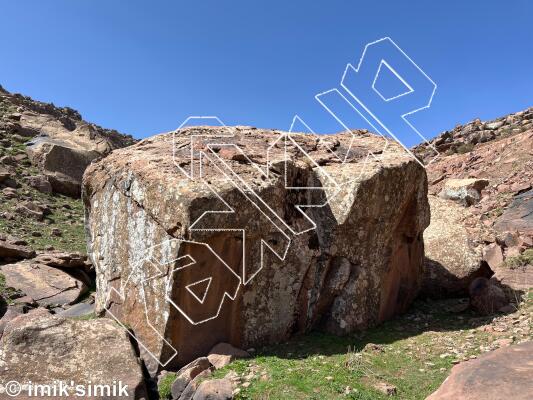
(414, 352)
(526, 258)
(165, 385)
(465, 148)
(66, 215)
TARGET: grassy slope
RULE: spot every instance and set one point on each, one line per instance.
(416, 353)
(67, 213)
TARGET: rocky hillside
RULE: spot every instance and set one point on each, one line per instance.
(481, 192)
(44, 151)
(57, 141)
(335, 317)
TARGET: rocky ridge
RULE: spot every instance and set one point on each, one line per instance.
(57, 141)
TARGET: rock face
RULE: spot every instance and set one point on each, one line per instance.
(502, 220)
(501, 374)
(453, 260)
(186, 374)
(45, 282)
(518, 216)
(62, 144)
(156, 247)
(43, 349)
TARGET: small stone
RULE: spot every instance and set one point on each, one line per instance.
(385, 388)
(56, 232)
(224, 353)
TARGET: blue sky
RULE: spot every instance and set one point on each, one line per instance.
(142, 67)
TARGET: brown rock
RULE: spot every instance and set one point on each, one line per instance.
(485, 297)
(224, 353)
(9, 193)
(187, 373)
(45, 348)
(62, 165)
(493, 255)
(362, 263)
(62, 259)
(39, 182)
(10, 314)
(190, 390)
(30, 210)
(45, 284)
(385, 388)
(14, 248)
(501, 374)
(518, 216)
(518, 279)
(214, 389)
(63, 155)
(4, 174)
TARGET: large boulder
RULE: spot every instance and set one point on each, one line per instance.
(501, 374)
(173, 262)
(463, 191)
(453, 260)
(62, 163)
(43, 349)
(486, 297)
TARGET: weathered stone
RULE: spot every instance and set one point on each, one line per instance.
(214, 389)
(62, 165)
(386, 388)
(10, 314)
(485, 297)
(30, 210)
(464, 191)
(45, 284)
(45, 348)
(4, 174)
(187, 373)
(360, 265)
(452, 262)
(78, 310)
(39, 182)
(9, 193)
(515, 279)
(518, 216)
(224, 353)
(63, 155)
(190, 390)
(63, 260)
(493, 255)
(501, 374)
(494, 125)
(14, 248)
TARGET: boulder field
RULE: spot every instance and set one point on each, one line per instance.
(248, 236)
